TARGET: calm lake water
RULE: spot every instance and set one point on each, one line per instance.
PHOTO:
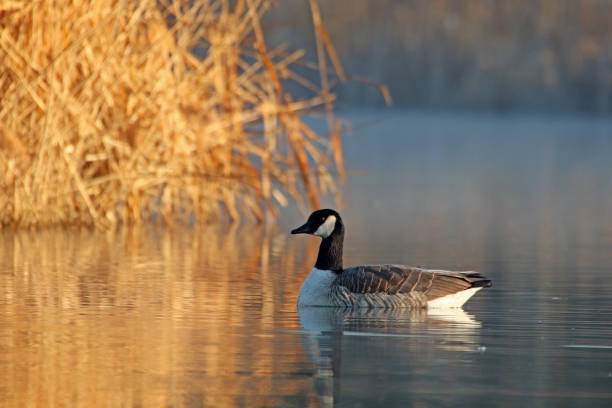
(206, 317)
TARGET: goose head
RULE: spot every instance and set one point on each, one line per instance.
(322, 223)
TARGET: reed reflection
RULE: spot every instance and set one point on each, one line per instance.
(145, 317)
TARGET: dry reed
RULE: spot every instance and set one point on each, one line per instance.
(107, 115)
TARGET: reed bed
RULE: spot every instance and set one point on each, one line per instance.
(116, 112)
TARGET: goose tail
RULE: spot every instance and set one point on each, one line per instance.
(478, 280)
(458, 299)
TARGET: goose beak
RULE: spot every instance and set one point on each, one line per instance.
(304, 229)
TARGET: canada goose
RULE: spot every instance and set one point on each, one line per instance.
(386, 286)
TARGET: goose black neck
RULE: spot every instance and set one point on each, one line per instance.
(330, 251)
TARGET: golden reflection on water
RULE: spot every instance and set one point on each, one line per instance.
(147, 318)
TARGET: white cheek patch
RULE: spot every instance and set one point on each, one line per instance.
(327, 227)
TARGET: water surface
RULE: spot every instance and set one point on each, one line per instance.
(205, 316)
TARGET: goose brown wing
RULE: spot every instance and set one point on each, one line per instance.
(401, 279)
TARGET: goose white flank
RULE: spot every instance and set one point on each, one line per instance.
(376, 286)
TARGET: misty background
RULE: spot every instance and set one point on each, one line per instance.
(503, 55)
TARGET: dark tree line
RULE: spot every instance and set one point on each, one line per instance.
(547, 55)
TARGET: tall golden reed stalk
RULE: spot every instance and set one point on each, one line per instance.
(107, 116)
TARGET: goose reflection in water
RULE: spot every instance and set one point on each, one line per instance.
(359, 345)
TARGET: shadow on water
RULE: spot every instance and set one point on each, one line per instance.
(206, 316)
